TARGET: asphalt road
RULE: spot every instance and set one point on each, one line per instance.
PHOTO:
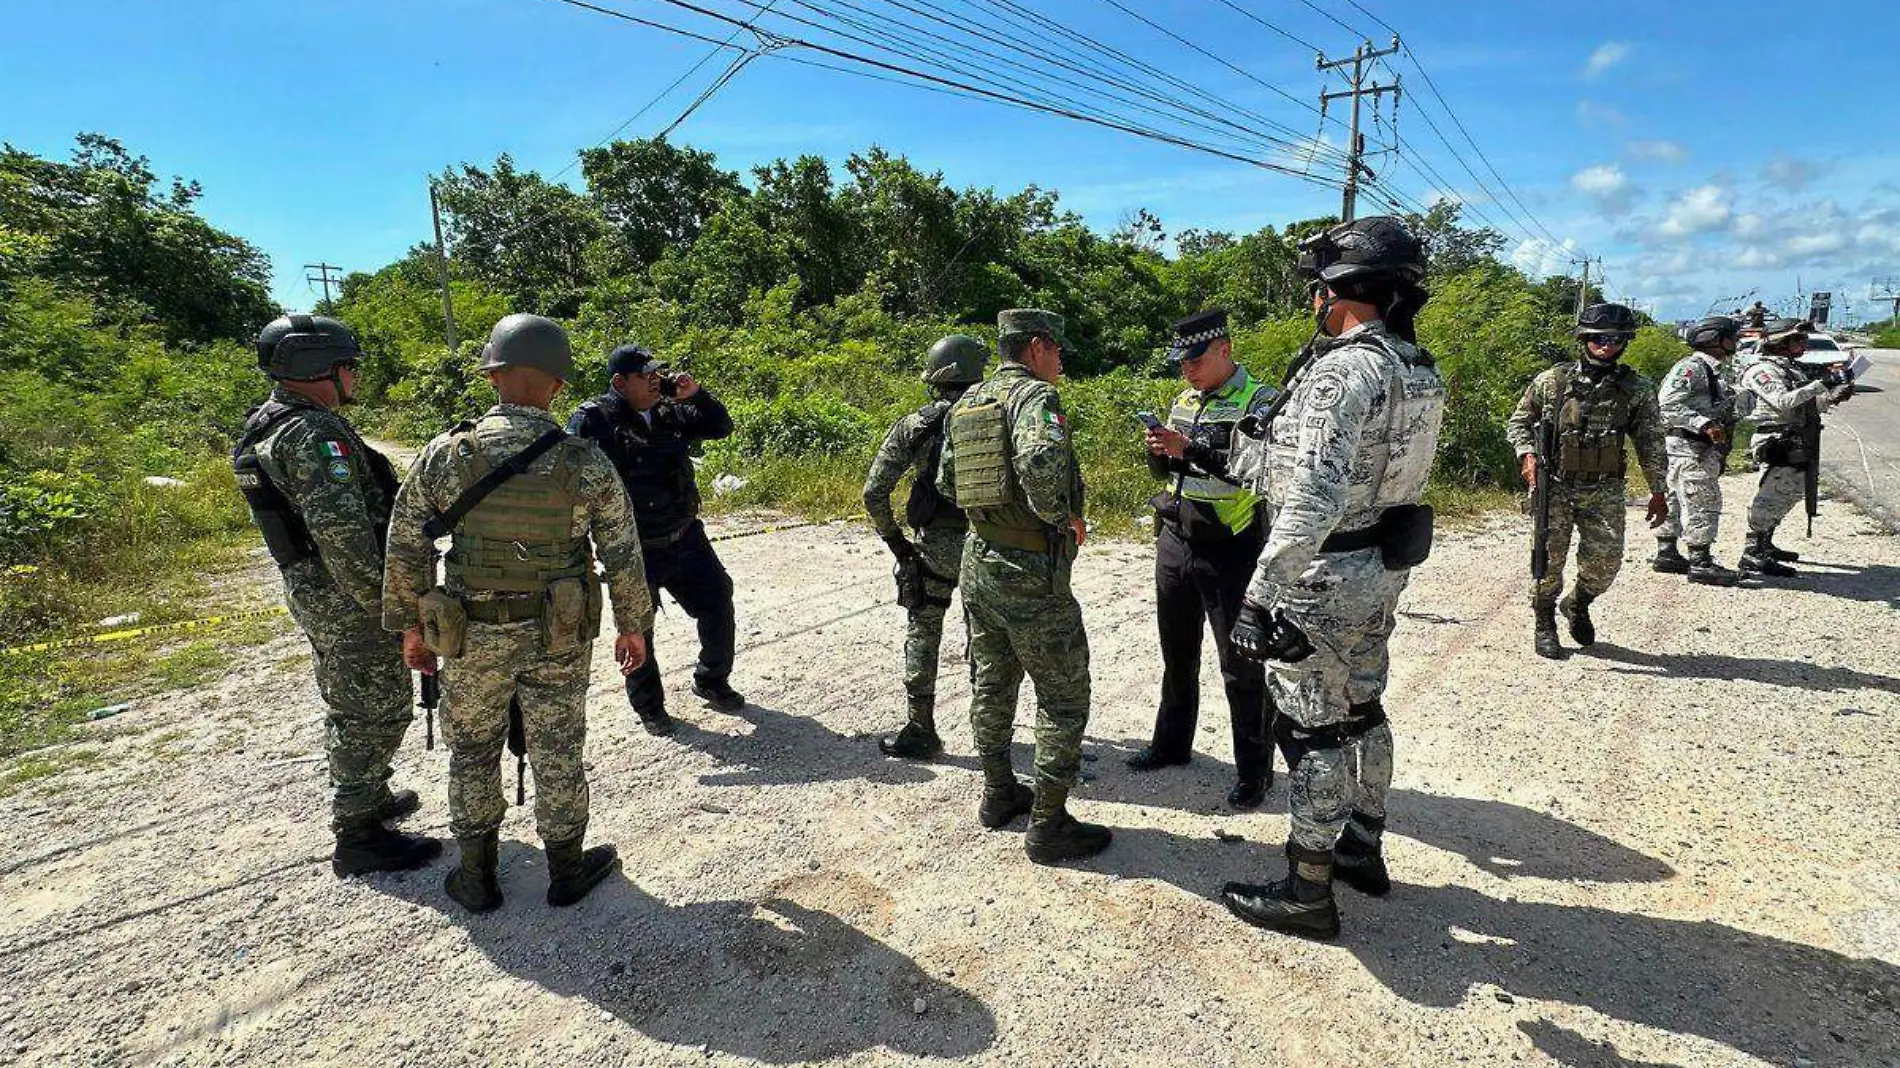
(1860, 448)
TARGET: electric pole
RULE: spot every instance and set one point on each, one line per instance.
(1356, 143)
(324, 270)
(1583, 287)
(442, 272)
(1889, 290)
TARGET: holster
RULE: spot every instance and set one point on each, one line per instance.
(444, 623)
(1405, 536)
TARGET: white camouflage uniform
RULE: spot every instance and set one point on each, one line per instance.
(1693, 399)
(1779, 402)
(1357, 437)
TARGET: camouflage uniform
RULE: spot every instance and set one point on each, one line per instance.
(1015, 575)
(1693, 399)
(508, 661)
(908, 449)
(1356, 438)
(1601, 409)
(1783, 404)
(341, 489)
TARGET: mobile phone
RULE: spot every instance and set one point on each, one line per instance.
(1148, 420)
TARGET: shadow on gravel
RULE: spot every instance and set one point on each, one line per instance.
(1876, 583)
(783, 749)
(772, 980)
(1726, 668)
(1504, 839)
(1568, 1047)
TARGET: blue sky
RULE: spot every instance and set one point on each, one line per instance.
(1702, 149)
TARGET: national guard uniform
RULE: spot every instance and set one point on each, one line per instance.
(1604, 403)
(1786, 409)
(652, 451)
(927, 566)
(1342, 466)
(321, 497)
(1699, 411)
(519, 610)
(1009, 463)
(1208, 535)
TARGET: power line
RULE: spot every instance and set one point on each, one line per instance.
(1288, 34)
(1383, 23)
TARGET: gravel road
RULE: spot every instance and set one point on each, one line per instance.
(1678, 849)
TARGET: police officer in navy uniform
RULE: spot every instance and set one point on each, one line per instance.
(1208, 537)
(647, 423)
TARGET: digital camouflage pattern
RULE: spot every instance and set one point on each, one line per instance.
(504, 661)
(906, 451)
(1693, 399)
(1617, 401)
(1357, 437)
(1023, 618)
(320, 464)
(1783, 403)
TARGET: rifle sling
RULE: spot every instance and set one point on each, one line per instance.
(490, 482)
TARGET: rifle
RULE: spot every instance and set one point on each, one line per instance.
(518, 745)
(431, 697)
(1811, 441)
(1545, 449)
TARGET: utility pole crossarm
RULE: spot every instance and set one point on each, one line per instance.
(1356, 142)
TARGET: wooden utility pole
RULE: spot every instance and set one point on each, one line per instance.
(324, 270)
(442, 272)
(1583, 290)
(1356, 142)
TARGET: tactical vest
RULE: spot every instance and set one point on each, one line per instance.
(1211, 420)
(655, 465)
(519, 539)
(1591, 423)
(926, 505)
(986, 479)
(286, 536)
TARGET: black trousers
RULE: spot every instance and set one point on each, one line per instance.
(690, 571)
(1196, 584)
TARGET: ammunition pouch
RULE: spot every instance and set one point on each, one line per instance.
(1029, 541)
(444, 623)
(566, 620)
(1591, 456)
(912, 576)
(1781, 452)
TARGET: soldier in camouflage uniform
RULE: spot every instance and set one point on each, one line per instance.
(521, 606)
(1009, 463)
(321, 498)
(1699, 411)
(1788, 400)
(927, 566)
(1341, 460)
(1604, 403)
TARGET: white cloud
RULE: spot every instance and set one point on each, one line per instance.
(1540, 259)
(1607, 55)
(1593, 114)
(1656, 152)
(1808, 245)
(1602, 180)
(1697, 211)
(1793, 175)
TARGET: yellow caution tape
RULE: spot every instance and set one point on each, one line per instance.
(783, 526)
(146, 632)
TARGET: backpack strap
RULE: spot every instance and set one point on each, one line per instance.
(488, 483)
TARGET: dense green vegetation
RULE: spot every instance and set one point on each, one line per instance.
(805, 294)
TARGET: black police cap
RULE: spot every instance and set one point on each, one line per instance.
(632, 360)
(1195, 333)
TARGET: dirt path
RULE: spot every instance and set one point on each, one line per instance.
(1677, 850)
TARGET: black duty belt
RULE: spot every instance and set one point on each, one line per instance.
(665, 541)
(1689, 435)
(1351, 541)
(503, 610)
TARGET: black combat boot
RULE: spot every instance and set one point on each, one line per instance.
(1777, 552)
(1359, 857)
(1004, 798)
(365, 845)
(1548, 647)
(719, 696)
(1704, 570)
(572, 873)
(659, 723)
(1150, 758)
(397, 804)
(1667, 559)
(1576, 609)
(1249, 792)
(918, 740)
(476, 885)
(1055, 836)
(1759, 559)
(1300, 904)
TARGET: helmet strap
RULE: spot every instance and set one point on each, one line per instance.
(1324, 312)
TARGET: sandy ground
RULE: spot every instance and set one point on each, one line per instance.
(1678, 849)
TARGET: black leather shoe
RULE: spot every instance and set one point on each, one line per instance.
(397, 804)
(658, 724)
(1273, 907)
(1148, 758)
(912, 743)
(720, 696)
(1247, 793)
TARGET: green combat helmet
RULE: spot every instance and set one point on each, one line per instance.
(305, 348)
(955, 360)
(523, 340)
(1776, 333)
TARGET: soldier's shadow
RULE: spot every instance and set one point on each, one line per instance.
(1568, 1047)
(771, 980)
(1725, 668)
(782, 749)
(1876, 583)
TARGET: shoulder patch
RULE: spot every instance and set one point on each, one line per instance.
(1327, 390)
(339, 470)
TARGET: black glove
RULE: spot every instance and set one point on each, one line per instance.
(1260, 635)
(901, 547)
(1836, 377)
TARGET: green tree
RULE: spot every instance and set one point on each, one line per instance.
(652, 197)
(518, 233)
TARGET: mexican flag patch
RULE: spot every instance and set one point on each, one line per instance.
(335, 450)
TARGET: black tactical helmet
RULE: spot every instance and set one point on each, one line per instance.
(1609, 321)
(1374, 249)
(1709, 333)
(1778, 331)
(523, 340)
(304, 348)
(955, 360)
